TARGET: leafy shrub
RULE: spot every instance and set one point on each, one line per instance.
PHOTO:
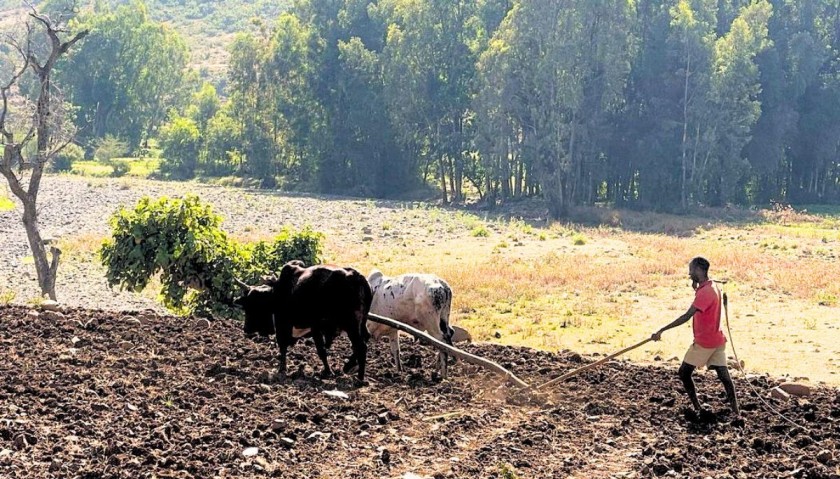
(181, 240)
(180, 140)
(480, 231)
(121, 168)
(66, 157)
(109, 148)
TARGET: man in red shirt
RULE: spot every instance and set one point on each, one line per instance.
(709, 347)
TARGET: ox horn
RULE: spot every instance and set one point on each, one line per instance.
(242, 284)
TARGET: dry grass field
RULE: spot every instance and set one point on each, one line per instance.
(590, 289)
(598, 289)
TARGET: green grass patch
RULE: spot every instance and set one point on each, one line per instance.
(480, 232)
(6, 296)
(137, 168)
(579, 239)
(6, 204)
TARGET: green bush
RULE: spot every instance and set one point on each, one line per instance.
(66, 157)
(120, 167)
(109, 148)
(181, 240)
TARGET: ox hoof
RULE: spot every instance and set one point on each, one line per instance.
(326, 374)
(281, 377)
(350, 367)
(360, 383)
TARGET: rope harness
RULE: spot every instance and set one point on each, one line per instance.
(741, 368)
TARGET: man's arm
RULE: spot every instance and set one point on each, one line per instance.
(677, 322)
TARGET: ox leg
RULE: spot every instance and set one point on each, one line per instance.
(359, 352)
(395, 348)
(284, 339)
(322, 354)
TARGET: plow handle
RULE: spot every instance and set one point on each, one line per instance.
(591, 366)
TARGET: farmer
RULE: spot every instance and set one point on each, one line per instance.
(709, 347)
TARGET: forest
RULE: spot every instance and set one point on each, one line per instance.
(659, 105)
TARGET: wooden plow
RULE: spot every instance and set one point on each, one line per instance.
(590, 366)
(451, 350)
(521, 385)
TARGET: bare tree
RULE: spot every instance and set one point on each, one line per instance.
(34, 127)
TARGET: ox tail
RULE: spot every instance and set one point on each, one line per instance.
(366, 297)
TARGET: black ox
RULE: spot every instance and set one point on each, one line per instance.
(320, 301)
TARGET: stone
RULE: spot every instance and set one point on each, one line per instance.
(132, 321)
(53, 316)
(796, 389)
(780, 394)
(201, 324)
(461, 335)
(50, 305)
(250, 451)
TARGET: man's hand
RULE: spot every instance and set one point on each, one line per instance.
(656, 336)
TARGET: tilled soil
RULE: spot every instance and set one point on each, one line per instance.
(103, 394)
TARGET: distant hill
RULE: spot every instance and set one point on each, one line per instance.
(207, 26)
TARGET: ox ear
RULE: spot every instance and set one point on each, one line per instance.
(375, 277)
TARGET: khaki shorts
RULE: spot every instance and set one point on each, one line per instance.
(698, 356)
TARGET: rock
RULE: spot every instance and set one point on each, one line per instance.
(498, 335)
(385, 456)
(796, 389)
(79, 342)
(287, 441)
(367, 238)
(201, 324)
(735, 364)
(411, 475)
(250, 451)
(130, 320)
(461, 335)
(278, 425)
(337, 394)
(825, 457)
(126, 345)
(50, 305)
(780, 394)
(367, 230)
(53, 316)
(33, 314)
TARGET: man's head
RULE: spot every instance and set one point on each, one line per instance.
(698, 270)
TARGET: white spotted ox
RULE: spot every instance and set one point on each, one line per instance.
(419, 300)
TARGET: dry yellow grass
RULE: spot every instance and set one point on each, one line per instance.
(543, 291)
(539, 286)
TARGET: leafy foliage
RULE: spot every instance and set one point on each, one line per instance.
(64, 160)
(182, 241)
(180, 142)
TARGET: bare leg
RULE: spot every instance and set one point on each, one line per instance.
(729, 386)
(685, 372)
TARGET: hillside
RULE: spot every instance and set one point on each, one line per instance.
(207, 26)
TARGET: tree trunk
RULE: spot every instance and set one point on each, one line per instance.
(45, 267)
